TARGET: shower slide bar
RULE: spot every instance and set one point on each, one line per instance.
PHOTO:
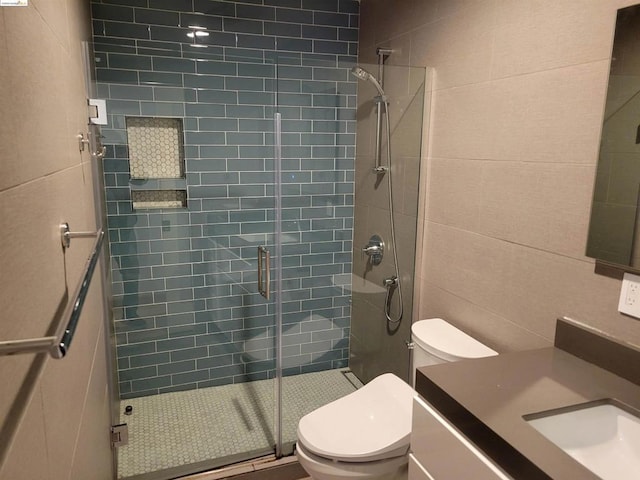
(57, 345)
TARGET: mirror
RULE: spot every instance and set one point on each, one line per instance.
(613, 230)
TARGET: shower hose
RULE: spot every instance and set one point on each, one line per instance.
(394, 283)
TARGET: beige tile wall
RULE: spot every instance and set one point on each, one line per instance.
(519, 93)
(54, 414)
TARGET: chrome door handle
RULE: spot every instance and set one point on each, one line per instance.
(264, 287)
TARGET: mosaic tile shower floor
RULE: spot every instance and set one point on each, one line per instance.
(182, 428)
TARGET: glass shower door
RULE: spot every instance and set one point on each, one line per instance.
(199, 350)
(196, 347)
(239, 270)
(316, 100)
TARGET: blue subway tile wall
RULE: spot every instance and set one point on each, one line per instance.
(185, 280)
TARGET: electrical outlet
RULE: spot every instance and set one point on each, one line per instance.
(631, 296)
(629, 303)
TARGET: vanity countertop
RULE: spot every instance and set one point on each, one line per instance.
(487, 398)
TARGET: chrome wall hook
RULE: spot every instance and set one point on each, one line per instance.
(82, 141)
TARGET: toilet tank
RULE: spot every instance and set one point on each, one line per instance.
(436, 341)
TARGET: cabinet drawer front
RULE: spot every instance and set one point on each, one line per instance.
(445, 452)
(417, 471)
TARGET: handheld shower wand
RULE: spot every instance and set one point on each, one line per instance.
(362, 74)
(381, 100)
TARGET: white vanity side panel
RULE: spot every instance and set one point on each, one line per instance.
(444, 452)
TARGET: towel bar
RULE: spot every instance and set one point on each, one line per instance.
(58, 344)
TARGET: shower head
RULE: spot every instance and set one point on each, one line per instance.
(362, 74)
(359, 72)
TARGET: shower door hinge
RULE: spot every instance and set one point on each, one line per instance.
(98, 111)
(119, 435)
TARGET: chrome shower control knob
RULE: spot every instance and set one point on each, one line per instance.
(374, 249)
(371, 249)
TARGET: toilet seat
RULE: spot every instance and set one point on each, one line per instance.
(370, 424)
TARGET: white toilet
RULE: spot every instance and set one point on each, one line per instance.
(365, 435)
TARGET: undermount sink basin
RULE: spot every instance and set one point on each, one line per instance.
(602, 437)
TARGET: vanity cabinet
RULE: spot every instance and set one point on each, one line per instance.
(440, 452)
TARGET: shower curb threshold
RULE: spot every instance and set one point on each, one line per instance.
(264, 468)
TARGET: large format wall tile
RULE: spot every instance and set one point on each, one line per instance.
(505, 119)
(459, 47)
(518, 102)
(546, 35)
(46, 180)
(33, 155)
(535, 204)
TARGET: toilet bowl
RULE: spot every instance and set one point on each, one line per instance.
(335, 442)
(320, 469)
(365, 435)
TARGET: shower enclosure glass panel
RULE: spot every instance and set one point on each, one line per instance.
(378, 340)
(199, 350)
(195, 340)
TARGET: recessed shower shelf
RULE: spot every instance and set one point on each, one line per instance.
(155, 199)
(157, 184)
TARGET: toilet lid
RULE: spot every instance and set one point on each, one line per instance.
(446, 341)
(372, 423)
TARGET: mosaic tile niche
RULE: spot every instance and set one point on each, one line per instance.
(186, 306)
(158, 199)
(156, 151)
(155, 147)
